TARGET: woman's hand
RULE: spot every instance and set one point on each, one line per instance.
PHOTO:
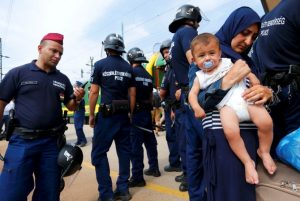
(258, 94)
(238, 71)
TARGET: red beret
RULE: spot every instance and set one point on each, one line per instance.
(55, 37)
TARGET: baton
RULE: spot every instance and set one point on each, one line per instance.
(143, 129)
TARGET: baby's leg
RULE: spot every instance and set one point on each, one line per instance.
(263, 121)
(231, 128)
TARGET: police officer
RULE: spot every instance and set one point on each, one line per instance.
(185, 27)
(276, 55)
(115, 77)
(167, 94)
(39, 89)
(79, 117)
(141, 118)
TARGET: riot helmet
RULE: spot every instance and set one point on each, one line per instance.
(136, 55)
(114, 42)
(185, 12)
(165, 44)
(70, 158)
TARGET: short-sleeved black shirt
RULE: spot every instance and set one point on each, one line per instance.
(38, 95)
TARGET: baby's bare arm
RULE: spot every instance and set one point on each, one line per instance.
(193, 100)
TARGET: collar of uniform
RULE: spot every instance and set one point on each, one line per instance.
(34, 67)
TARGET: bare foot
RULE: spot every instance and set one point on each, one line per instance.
(251, 173)
(268, 161)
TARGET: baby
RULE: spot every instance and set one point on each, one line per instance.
(233, 108)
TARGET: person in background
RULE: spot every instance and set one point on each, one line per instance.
(157, 112)
(38, 89)
(114, 76)
(79, 118)
(233, 108)
(4, 121)
(141, 118)
(167, 94)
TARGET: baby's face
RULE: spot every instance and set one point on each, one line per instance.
(207, 57)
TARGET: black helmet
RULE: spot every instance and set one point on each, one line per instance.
(136, 55)
(69, 158)
(114, 42)
(165, 44)
(185, 12)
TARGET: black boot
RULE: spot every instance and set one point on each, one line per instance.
(154, 172)
(136, 183)
(180, 178)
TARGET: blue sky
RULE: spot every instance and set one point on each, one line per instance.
(86, 23)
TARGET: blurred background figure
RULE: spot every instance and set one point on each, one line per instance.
(79, 117)
(4, 120)
(157, 112)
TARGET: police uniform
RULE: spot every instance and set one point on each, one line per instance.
(276, 49)
(114, 76)
(38, 97)
(180, 44)
(188, 134)
(169, 84)
(141, 117)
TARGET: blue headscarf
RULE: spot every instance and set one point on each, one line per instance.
(239, 20)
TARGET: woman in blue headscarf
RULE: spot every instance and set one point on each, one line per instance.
(224, 172)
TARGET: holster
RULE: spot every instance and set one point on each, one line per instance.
(143, 106)
(116, 107)
(11, 124)
(283, 78)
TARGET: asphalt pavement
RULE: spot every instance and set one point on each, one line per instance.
(83, 185)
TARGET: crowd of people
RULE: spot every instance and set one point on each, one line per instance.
(215, 90)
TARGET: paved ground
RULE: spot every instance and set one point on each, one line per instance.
(83, 186)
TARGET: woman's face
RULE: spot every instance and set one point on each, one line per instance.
(242, 41)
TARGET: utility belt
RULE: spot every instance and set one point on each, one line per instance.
(31, 134)
(276, 80)
(116, 107)
(146, 105)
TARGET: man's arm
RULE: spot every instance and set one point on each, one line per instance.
(132, 97)
(74, 102)
(189, 56)
(93, 97)
(162, 93)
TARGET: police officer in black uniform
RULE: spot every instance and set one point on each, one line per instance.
(167, 94)
(141, 118)
(184, 27)
(115, 78)
(38, 89)
(276, 55)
